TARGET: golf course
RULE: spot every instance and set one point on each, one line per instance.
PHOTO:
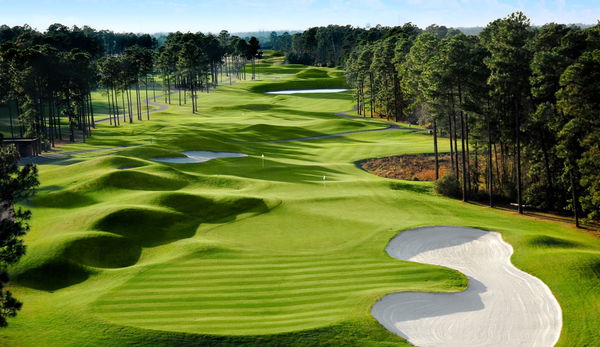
(280, 241)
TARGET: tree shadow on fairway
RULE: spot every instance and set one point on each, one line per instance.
(415, 188)
(549, 241)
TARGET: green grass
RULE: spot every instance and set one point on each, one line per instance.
(244, 251)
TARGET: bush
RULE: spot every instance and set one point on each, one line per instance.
(448, 186)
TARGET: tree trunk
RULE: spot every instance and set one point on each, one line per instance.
(147, 100)
(115, 100)
(468, 162)
(110, 110)
(12, 132)
(463, 155)
(490, 168)
(575, 197)
(550, 186)
(397, 106)
(178, 83)
(91, 110)
(371, 91)
(435, 150)
(451, 143)
(518, 163)
(129, 105)
(138, 99)
(153, 86)
(455, 136)
(124, 107)
(192, 91)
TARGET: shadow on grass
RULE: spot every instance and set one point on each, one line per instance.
(416, 188)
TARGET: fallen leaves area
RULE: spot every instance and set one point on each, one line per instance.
(415, 167)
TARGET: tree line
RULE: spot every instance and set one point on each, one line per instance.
(519, 104)
(47, 79)
(331, 45)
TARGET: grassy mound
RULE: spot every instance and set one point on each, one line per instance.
(103, 250)
(104, 162)
(48, 271)
(549, 241)
(211, 210)
(133, 180)
(66, 259)
(63, 199)
(148, 227)
(595, 269)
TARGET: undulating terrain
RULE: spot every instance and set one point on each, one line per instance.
(288, 249)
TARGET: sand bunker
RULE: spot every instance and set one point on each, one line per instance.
(307, 91)
(198, 157)
(502, 306)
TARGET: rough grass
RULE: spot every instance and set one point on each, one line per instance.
(253, 251)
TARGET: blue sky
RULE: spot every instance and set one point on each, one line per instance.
(253, 15)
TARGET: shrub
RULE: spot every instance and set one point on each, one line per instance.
(448, 186)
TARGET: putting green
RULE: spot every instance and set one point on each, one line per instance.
(281, 250)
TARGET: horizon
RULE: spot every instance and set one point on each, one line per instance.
(163, 16)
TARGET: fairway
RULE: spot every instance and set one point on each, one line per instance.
(284, 246)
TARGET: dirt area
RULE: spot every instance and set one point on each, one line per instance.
(408, 167)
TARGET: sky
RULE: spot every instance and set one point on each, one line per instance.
(151, 16)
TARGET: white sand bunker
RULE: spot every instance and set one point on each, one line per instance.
(198, 157)
(502, 306)
(307, 91)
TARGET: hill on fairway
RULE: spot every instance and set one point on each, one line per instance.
(285, 250)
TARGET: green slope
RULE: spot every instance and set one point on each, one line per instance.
(124, 250)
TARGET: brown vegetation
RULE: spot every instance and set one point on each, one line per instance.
(419, 167)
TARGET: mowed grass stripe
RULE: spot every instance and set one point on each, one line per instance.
(268, 263)
(209, 266)
(259, 321)
(207, 288)
(222, 305)
(240, 300)
(243, 323)
(208, 315)
(266, 282)
(299, 305)
(250, 299)
(235, 294)
(225, 292)
(294, 274)
(247, 302)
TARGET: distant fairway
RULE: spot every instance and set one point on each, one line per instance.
(285, 250)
